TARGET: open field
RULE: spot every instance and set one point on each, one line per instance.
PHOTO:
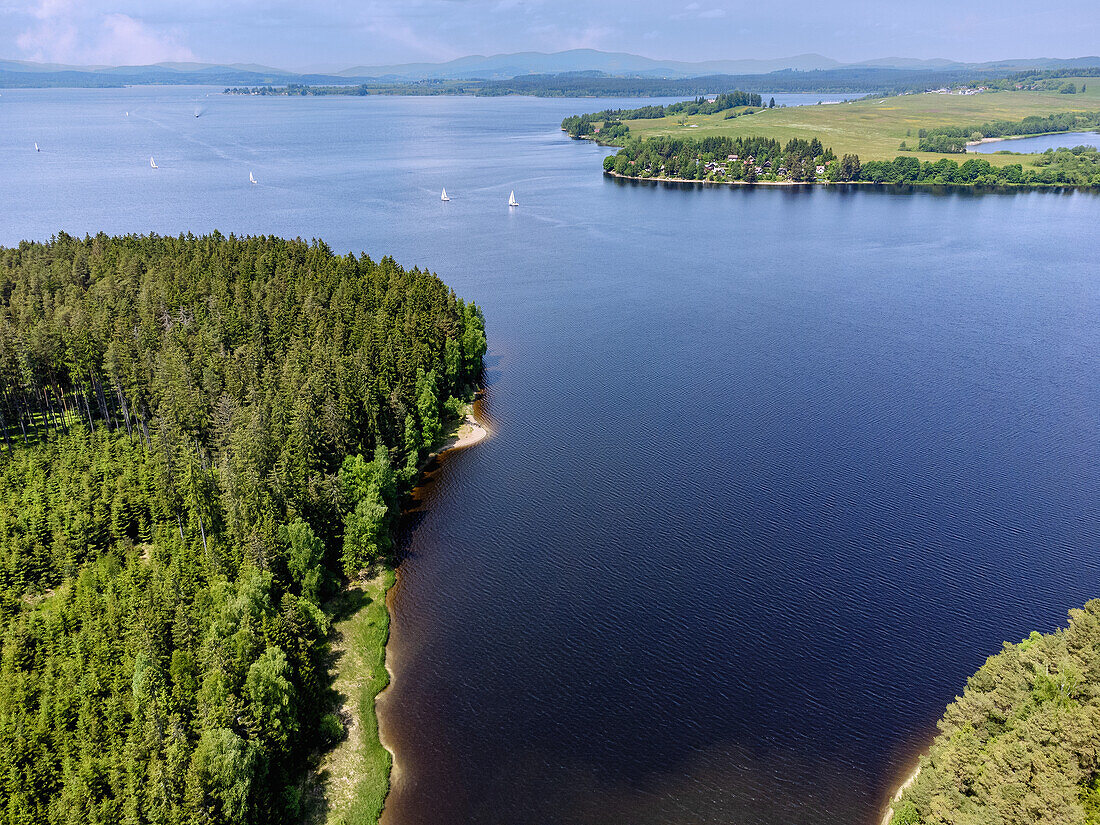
(874, 129)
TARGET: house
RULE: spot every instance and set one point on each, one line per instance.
(820, 170)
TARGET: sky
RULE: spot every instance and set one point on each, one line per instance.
(344, 33)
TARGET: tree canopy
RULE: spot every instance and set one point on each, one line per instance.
(1020, 745)
(201, 437)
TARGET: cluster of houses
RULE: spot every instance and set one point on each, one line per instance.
(945, 91)
(720, 168)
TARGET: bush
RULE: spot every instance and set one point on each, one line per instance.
(331, 729)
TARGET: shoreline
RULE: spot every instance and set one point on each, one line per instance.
(469, 431)
(896, 798)
(983, 187)
(363, 719)
(1022, 137)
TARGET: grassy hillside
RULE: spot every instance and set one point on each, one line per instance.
(875, 128)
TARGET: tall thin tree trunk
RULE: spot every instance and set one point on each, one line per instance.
(88, 409)
(125, 412)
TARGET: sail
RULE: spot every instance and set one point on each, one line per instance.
(252, 179)
(444, 196)
(152, 163)
(36, 147)
(512, 198)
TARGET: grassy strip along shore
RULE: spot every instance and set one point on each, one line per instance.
(205, 440)
(355, 775)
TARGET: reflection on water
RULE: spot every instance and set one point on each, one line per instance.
(771, 471)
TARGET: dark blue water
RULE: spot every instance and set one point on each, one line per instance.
(1040, 143)
(771, 471)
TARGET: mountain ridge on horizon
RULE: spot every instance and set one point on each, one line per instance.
(516, 64)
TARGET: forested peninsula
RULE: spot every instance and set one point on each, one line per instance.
(1020, 746)
(205, 439)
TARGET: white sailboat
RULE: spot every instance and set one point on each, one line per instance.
(152, 163)
(512, 199)
(251, 179)
(36, 147)
(444, 196)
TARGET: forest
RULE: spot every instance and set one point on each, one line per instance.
(755, 159)
(581, 125)
(204, 438)
(1020, 745)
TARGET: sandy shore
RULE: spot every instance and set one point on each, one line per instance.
(469, 432)
(896, 798)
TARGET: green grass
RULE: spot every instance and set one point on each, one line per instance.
(356, 773)
(873, 129)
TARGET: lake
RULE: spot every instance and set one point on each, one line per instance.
(1039, 143)
(772, 471)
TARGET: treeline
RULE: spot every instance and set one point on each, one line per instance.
(756, 159)
(867, 80)
(953, 139)
(720, 158)
(581, 125)
(825, 81)
(202, 438)
(1020, 745)
(1038, 80)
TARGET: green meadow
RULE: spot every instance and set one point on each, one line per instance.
(875, 128)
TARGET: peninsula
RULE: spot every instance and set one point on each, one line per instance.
(206, 442)
(910, 138)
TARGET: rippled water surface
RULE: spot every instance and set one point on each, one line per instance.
(771, 472)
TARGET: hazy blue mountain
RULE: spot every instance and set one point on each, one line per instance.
(578, 60)
(521, 65)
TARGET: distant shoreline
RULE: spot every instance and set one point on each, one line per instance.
(884, 184)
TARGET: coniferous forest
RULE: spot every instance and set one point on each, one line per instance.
(203, 438)
(1020, 745)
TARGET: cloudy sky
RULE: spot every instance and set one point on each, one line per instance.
(344, 32)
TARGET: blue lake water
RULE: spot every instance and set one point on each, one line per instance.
(1039, 143)
(771, 471)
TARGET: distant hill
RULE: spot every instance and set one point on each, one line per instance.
(492, 69)
(505, 66)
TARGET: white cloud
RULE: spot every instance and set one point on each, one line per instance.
(694, 11)
(64, 31)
